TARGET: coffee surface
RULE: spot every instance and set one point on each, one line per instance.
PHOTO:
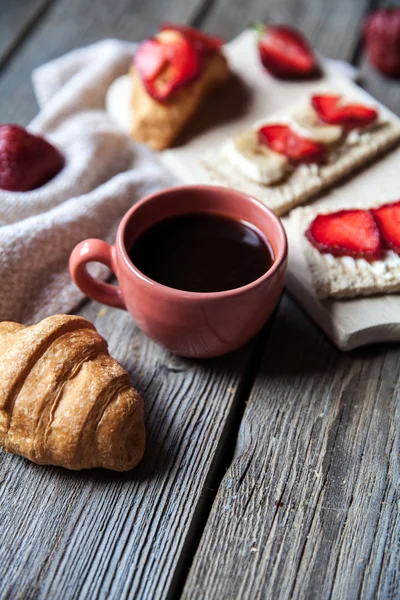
(202, 252)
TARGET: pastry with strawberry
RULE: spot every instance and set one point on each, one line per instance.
(296, 154)
(352, 252)
(172, 74)
(27, 161)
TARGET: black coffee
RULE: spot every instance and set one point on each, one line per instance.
(202, 252)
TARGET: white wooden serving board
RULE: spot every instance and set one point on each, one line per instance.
(253, 96)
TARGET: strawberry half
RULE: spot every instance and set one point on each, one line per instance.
(382, 39)
(388, 219)
(298, 149)
(207, 41)
(285, 52)
(27, 161)
(346, 233)
(330, 109)
(150, 58)
(165, 66)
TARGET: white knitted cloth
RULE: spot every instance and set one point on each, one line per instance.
(105, 174)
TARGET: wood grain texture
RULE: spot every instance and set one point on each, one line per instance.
(16, 19)
(380, 86)
(95, 534)
(384, 88)
(310, 505)
(320, 434)
(72, 23)
(86, 535)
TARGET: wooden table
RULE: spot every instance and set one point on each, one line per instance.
(270, 473)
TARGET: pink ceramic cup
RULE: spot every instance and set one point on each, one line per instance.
(188, 323)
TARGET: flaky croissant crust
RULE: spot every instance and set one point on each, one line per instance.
(63, 400)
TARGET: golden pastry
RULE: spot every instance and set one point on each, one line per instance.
(63, 399)
(172, 74)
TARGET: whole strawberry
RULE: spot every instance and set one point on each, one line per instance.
(285, 52)
(27, 161)
(382, 39)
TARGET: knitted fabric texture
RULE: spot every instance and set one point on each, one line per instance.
(105, 173)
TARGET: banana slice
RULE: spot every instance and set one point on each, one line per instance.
(306, 123)
(118, 102)
(256, 161)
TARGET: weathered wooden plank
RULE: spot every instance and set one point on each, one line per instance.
(98, 534)
(70, 24)
(309, 508)
(385, 89)
(16, 19)
(95, 534)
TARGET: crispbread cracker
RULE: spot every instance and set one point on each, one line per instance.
(307, 181)
(346, 277)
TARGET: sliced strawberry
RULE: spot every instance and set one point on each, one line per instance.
(208, 41)
(330, 109)
(150, 58)
(284, 52)
(298, 149)
(165, 66)
(27, 161)
(388, 219)
(346, 233)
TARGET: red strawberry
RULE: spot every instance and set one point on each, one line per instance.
(150, 59)
(330, 109)
(388, 219)
(285, 52)
(27, 161)
(298, 149)
(382, 38)
(346, 233)
(164, 66)
(205, 40)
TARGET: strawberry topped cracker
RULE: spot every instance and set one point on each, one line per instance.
(346, 233)
(295, 154)
(352, 252)
(358, 233)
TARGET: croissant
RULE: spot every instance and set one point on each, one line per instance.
(63, 399)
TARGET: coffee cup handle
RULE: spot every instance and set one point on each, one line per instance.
(95, 251)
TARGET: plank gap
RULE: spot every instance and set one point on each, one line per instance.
(223, 458)
(26, 30)
(201, 13)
